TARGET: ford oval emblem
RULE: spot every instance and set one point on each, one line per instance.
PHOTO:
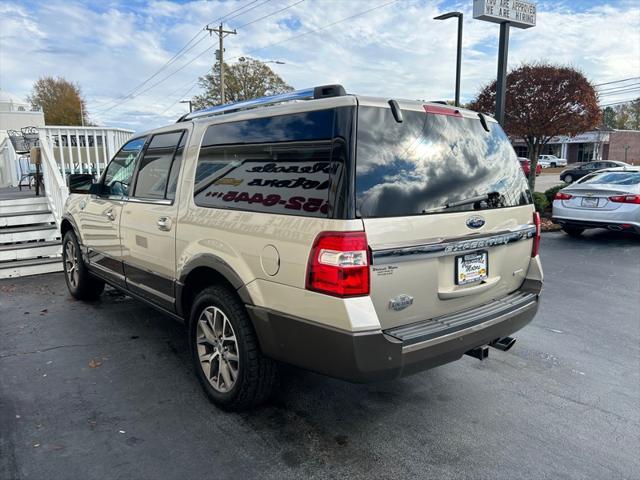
(475, 222)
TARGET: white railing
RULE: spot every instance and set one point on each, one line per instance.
(54, 185)
(8, 164)
(83, 149)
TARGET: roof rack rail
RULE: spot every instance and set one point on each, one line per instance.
(324, 91)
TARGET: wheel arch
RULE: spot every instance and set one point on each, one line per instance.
(67, 224)
(203, 271)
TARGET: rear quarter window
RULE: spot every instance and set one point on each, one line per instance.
(277, 164)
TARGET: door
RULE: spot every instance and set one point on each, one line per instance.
(148, 222)
(100, 214)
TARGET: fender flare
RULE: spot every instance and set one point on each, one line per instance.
(213, 262)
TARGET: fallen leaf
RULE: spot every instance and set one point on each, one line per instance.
(36, 445)
(121, 432)
(93, 363)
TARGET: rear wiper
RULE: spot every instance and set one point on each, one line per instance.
(490, 197)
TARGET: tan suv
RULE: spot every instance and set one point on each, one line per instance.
(362, 238)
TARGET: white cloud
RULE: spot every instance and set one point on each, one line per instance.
(398, 50)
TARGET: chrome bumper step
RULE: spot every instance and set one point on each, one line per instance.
(447, 324)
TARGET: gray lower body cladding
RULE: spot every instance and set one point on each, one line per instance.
(384, 355)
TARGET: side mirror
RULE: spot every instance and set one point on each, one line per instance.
(80, 182)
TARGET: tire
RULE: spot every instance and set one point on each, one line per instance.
(217, 314)
(81, 284)
(553, 165)
(573, 231)
(568, 178)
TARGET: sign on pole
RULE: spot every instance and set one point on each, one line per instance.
(518, 13)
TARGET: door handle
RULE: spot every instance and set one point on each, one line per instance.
(110, 215)
(164, 224)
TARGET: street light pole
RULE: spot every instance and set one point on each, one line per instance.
(459, 16)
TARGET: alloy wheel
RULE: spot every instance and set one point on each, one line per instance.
(71, 264)
(217, 349)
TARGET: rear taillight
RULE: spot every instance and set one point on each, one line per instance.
(625, 199)
(339, 264)
(536, 240)
(562, 196)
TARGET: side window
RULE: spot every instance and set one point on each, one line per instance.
(153, 172)
(278, 164)
(118, 175)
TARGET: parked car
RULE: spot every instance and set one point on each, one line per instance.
(605, 199)
(525, 163)
(551, 161)
(578, 171)
(358, 237)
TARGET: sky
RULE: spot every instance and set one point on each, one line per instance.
(117, 51)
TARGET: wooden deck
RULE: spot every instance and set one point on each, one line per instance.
(13, 193)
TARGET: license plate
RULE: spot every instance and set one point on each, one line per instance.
(472, 267)
(589, 202)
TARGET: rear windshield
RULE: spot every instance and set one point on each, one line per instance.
(614, 178)
(433, 163)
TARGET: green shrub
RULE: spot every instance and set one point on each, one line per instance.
(550, 193)
(540, 201)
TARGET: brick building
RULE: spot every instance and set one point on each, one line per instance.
(600, 144)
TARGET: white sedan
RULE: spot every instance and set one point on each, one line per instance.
(551, 161)
(607, 198)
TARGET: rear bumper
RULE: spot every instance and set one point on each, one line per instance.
(384, 355)
(613, 224)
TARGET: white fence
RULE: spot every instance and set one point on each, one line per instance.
(83, 149)
(54, 185)
(67, 150)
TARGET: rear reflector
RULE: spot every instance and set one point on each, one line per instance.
(625, 199)
(536, 240)
(562, 196)
(339, 264)
(437, 110)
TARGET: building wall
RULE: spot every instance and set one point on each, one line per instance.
(618, 139)
(17, 120)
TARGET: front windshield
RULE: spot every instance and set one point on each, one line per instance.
(431, 163)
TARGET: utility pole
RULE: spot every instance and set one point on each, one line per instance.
(221, 34)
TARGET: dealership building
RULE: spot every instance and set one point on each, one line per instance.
(599, 144)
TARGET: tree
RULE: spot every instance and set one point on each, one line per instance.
(61, 101)
(543, 101)
(244, 80)
(609, 117)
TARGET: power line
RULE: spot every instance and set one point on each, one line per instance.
(322, 28)
(246, 11)
(627, 90)
(317, 29)
(622, 87)
(249, 23)
(270, 15)
(179, 53)
(192, 85)
(620, 102)
(616, 81)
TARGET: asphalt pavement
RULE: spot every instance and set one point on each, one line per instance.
(545, 181)
(106, 390)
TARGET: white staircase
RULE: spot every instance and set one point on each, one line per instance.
(29, 238)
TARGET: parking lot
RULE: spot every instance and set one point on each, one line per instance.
(106, 390)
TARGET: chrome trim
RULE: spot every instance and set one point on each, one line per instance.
(452, 246)
(159, 201)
